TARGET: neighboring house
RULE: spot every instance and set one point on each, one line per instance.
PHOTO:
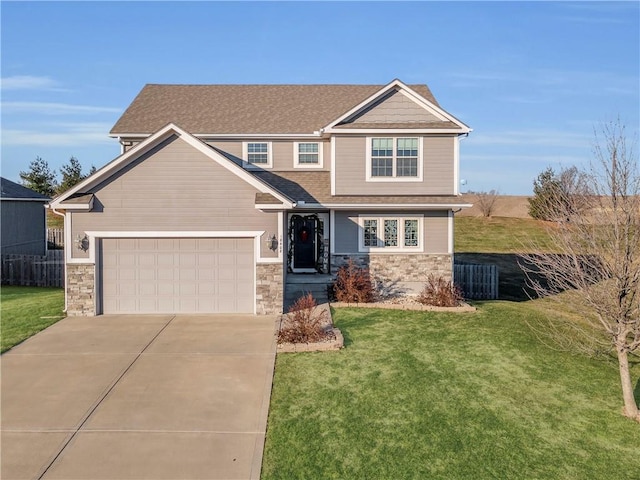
(23, 220)
(223, 192)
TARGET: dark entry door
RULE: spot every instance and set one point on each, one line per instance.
(304, 242)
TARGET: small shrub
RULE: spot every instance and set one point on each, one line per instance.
(440, 292)
(353, 285)
(486, 202)
(304, 323)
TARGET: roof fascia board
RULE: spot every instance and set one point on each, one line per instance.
(73, 206)
(363, 104)
(420, 100)
(18, 199)
(396, 130)
(272, 206)
(318, 134)
(386, 206)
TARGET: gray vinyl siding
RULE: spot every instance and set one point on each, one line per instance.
(232, 147)
(436, 230)
(395, 108)
(175, 188)
(438, 168)
(23, 227)
(282, 152)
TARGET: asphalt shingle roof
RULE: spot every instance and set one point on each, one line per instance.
(315, 187)
(13, 190)
(244, 109)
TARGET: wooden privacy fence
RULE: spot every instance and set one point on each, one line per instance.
(34, 270)
(55, 237)
(477, 281)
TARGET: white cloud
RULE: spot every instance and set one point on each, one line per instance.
(51, 108)
(67, 134)
(28, 82)
(552, 81)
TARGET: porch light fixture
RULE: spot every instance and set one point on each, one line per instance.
(272, 242)
(82, 242)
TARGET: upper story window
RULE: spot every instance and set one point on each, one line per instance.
(391, 159)
(257, 153)
(390, 233)
(307, 154)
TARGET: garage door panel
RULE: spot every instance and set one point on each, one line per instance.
(168, 275)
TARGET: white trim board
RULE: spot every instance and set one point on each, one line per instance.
(94, 235)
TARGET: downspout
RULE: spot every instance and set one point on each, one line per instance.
(64, 253)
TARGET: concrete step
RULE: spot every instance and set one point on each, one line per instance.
(295, 291)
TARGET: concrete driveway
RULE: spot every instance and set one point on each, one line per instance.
(139, 397)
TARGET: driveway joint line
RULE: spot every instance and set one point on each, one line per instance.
(101, 399)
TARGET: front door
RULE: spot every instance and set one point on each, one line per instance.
(304, 241)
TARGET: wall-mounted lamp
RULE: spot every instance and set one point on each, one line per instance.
(82, 242)
(272, 242)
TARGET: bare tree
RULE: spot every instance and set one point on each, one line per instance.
(486, 202)
(597, 243)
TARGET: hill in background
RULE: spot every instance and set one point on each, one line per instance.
(515, 206)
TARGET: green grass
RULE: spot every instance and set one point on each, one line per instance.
(54, 221)
(24, 311)
(450, 396)
(498, 234)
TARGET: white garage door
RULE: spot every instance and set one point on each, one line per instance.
(177, 275)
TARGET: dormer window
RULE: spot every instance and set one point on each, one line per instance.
(390, 159)
(257, 153)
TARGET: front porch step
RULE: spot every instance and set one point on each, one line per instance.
(309, 278)
(299, 285)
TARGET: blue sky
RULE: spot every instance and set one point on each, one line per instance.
(532, 79)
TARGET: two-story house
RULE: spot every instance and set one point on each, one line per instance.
(223, 191)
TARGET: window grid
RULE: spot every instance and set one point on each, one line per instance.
(394, 157)
(391, 233)
(370, 233)
(411, 233)
(382, 157)
(257, 153)
(308, 153)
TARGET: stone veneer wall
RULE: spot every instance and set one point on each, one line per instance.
(395, 269)
(269, 288)
(80, 287)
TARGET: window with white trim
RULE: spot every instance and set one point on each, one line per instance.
(257, 153)
(307, 154)
(394, 159)
(390, 233)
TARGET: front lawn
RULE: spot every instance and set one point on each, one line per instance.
(451, 396)
(24, 311)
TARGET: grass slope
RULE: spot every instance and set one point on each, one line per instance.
(24, 311)
(498, 234)
(451, 396)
